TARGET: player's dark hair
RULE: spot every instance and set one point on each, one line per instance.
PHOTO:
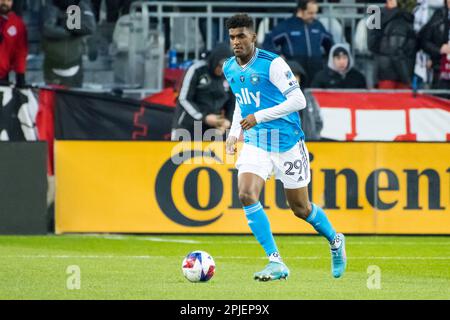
(303, 4)
(240, 20)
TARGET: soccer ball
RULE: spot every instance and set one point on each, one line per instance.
(198, 266)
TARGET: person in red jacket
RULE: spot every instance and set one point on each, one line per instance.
(13, 44)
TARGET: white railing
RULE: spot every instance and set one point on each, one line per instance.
(214, 14)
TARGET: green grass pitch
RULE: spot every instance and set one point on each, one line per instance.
(149, 267)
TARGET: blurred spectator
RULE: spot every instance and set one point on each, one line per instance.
(339, 73)
(13, 44)
(301, 38)
(205, 96)
(394, 46)
(311, 119)
(114, 9)
(63, 47)
(435, 40)
(421, 70)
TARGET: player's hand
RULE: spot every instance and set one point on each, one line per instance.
(231, 145)
(249, 122)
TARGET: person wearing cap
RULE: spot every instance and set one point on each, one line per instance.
(340, 73)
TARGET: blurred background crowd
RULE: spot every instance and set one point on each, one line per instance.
(327, 50)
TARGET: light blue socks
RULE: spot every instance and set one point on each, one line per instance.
(260, 225)
(318, 219)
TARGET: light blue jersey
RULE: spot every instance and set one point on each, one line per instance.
(264, 83)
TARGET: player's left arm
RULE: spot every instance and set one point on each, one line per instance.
(283, 78)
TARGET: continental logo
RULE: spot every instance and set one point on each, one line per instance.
(343, 189)
(164, 194)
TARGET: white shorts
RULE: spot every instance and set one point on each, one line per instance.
(291, 167)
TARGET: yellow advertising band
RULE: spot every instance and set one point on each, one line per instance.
(165, 187)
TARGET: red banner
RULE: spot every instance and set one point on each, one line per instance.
(375, 116)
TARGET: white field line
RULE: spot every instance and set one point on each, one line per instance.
(321, 242)
(318, 242)
(167, 240)
(216, 257)
(154, 239)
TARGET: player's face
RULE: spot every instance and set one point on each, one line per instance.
(341, 62)
(310, 14)
(242, 41)
(5, 6)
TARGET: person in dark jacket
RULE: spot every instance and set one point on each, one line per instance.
(63, 47)
(435, 40)
(339, 73)
(394, 46)
(205, 98)
(301, 38)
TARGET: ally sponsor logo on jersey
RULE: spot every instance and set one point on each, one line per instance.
(247, 97)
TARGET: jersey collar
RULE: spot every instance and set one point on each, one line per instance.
(250, 62)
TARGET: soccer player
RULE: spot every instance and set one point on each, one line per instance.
(268, 99)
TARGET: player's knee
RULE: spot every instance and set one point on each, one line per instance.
(302, 210)
(248, 198)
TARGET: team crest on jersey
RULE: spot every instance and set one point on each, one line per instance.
(254, 79)
(242, 79)
(288, 74)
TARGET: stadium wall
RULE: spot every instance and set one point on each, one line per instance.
(23, 188)
(165, 187)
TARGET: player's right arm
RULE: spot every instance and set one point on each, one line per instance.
(235, 130)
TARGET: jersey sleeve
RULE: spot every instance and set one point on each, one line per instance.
(235, 129)
(295, 101)
(282, 76)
